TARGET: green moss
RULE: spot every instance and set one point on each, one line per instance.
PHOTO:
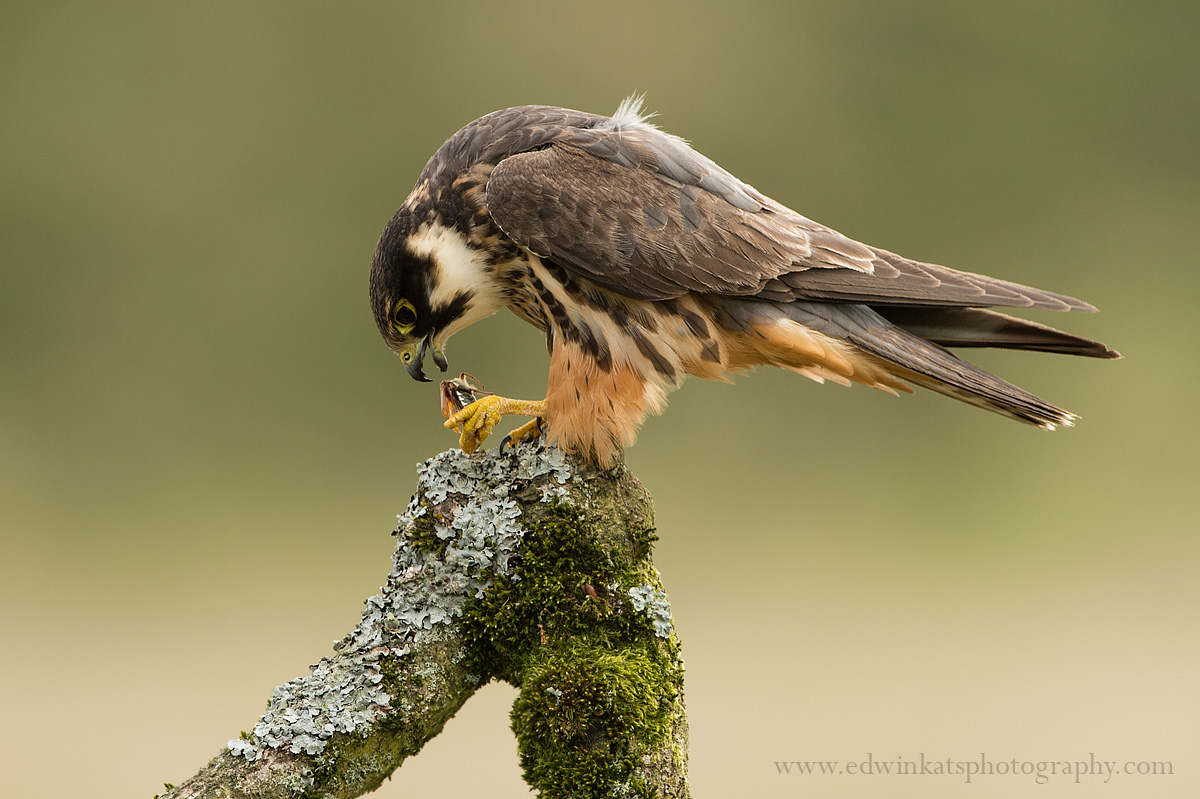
(396, 681)
(422, 532)
(556, 596)
(597, 686)
(324, 765)
(410, 686)
(549, 596)
(587, 715)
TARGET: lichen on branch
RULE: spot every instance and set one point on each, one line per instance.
(528, 566)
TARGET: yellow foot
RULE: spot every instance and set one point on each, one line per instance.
(478, 418)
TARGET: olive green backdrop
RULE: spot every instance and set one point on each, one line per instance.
(204, 443)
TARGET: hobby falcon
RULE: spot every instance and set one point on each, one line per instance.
(643, 261)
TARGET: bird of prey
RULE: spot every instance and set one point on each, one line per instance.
(644, 261)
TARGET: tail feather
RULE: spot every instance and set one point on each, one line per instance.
(932, 366)
(899, 343)
(982, 389)
(978, 327)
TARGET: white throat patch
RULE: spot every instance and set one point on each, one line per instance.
(458, 269)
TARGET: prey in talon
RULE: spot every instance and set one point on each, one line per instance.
(459, 393)
(643, 262)
(474, 422)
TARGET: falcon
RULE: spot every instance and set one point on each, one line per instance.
(643, 261)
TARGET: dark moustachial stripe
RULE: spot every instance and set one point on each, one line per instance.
(456, 308)
(610, 235)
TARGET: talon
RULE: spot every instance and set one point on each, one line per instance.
(530, 430)
(477, 419)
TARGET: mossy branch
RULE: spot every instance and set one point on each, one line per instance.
(530, 567)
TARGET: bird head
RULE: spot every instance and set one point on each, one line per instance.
(427, 283)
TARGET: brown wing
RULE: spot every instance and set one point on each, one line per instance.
(637, 234)
(641, 213)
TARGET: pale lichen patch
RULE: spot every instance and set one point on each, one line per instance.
(479, 521)
(653, 601)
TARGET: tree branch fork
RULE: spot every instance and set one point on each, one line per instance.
(528, 566)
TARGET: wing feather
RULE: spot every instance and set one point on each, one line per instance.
(641, 213)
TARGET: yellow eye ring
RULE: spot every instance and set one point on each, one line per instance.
(404, 316)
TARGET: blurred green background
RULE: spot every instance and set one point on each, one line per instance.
(204, 443)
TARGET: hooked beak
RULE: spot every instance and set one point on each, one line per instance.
(415, 363)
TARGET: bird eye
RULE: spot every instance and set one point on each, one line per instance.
(404, 316)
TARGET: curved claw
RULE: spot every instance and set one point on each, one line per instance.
(476, 421)
(529, 430)
(478, 418)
